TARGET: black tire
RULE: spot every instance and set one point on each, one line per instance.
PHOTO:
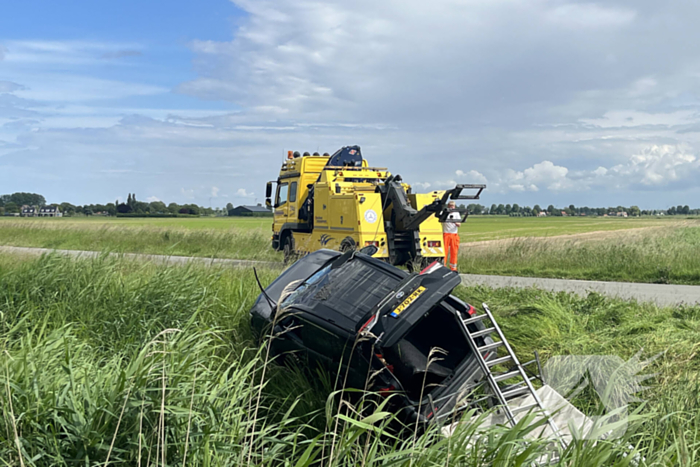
(347, 244)
(288, 249)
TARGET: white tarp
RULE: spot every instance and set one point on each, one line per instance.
(564, 415)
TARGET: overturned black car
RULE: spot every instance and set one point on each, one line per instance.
(384, 329)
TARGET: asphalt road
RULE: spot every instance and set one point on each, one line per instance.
(660, 294)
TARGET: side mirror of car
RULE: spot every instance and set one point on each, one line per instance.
(268, 190)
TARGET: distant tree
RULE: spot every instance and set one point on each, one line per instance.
(515, 208)
(634, 211)
(158, 206)
(501, 209)
(173, 208)
(229, 206)
(11, 207)
(536, 209)
(551, 209)
(29, 199)
(67, 209)
(686, 209)
(508, 209)
(494, 209)
(111, 209)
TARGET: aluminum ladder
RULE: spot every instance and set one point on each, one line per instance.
(517, 371)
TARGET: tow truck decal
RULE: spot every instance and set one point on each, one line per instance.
(406, 303)
(325, 238)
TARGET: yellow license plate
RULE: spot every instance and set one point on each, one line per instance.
(406, 303)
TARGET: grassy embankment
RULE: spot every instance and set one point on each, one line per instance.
(247, 242)
(108, 362)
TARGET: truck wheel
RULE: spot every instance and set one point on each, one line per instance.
(347, 244)
(288, 249)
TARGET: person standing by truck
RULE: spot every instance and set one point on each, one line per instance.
(450, 236)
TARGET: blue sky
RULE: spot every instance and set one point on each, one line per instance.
(546, 101)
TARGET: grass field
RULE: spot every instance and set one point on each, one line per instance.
(655, 255)
(110, 362)
(476, 228)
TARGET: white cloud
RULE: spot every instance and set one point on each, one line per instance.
(214, 192)
(187, 193)
(3, 52)
(152, 199)
(589, 15)
(471, 176)
(32, 52)
(9, 86)
(658, 165)
(634, 118)
(242, 193)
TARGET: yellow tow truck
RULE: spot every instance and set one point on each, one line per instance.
(339, 202)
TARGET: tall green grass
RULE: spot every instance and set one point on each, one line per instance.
(656, 256)
(237, 243)
(113, 362)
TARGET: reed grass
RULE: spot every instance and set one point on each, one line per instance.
(114, 362)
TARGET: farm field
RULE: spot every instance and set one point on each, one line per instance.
(476, 228)
(112, 362)
(666, 256)
(638, 250)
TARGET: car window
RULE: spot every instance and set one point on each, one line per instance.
(282, 190)
(299, 292)
(293, 192)
(337, 289)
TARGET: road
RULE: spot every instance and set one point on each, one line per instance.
(660, 294)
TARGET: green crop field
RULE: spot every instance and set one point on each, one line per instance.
(112, 362)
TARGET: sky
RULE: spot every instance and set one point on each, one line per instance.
(546, 101)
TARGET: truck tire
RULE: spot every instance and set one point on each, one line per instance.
(347, 244)
(288, 249)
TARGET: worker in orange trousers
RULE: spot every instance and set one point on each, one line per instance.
(450, 236)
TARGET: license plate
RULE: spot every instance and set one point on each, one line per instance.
(406, 303)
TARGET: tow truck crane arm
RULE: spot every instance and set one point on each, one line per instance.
(407, 218)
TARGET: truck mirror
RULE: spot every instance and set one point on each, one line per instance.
(268, 190)
(268, 203)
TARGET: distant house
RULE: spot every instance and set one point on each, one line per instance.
(50, 211)
(564, 214)
(621, 214)
(542, 214)
(250, 211)
(28, 211)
